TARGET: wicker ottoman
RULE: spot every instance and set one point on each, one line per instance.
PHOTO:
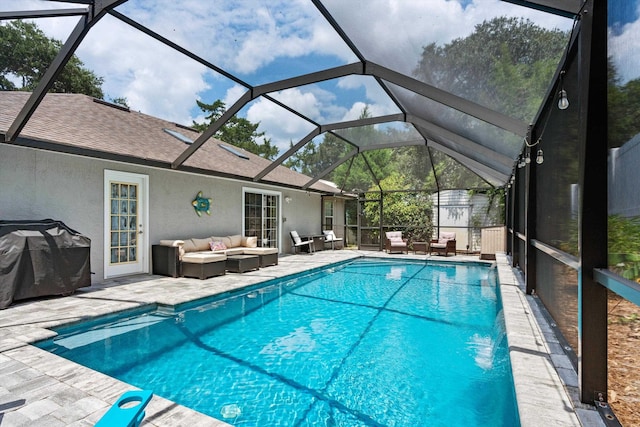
(242, 263)
(203, 265)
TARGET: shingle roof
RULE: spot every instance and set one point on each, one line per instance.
(101, 130)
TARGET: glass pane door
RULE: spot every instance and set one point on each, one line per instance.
(261, 218)
(124, 223)
(125, 218)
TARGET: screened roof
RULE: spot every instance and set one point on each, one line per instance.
(351, 79)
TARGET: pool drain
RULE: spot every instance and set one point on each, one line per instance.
(230, 411)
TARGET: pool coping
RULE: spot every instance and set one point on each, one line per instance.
(37, 386)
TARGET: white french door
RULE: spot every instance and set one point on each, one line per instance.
(125, 222)
(261, 216)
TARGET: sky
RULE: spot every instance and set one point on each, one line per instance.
(267, 40)
(624, 37)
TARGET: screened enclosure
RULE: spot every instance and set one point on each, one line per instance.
(407, 108)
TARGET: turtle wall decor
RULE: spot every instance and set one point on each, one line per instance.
(202, 204)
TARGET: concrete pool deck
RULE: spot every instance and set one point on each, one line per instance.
(38, 388)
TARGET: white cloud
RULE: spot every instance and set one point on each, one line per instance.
(233, 94)
(155, 79)
(246, 36)
(624, 48)
(282, 126)
(405, 27)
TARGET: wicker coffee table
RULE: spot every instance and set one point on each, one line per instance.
(420, 247)
(242, 263)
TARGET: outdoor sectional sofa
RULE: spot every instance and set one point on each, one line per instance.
(207, 256)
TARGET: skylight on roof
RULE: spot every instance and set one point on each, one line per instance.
(234, 151)
(178, 135)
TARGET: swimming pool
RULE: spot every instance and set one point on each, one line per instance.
(369, 342)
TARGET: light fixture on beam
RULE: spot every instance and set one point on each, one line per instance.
(563, 101)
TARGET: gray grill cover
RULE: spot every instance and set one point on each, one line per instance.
(41, 258)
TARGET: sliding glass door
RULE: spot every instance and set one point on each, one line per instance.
(262, 216)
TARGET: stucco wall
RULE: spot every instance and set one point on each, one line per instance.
(37, 184)
(624, 199)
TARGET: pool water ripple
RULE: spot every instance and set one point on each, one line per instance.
(361, 344)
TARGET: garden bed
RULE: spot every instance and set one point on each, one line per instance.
(624, 360)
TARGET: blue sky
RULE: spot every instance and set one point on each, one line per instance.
(622, 12)
(624, 37)
(266, 40)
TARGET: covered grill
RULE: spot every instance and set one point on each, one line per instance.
(41, 258)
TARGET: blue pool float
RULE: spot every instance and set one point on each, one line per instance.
(128, 411)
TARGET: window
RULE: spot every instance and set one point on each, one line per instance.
(328, 215)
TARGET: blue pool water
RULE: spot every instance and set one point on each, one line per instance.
(365, 343)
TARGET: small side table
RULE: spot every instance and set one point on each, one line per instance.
(420, 247)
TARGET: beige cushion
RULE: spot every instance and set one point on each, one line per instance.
(260, 251)
(200, 244)
(235, 251)
(203, 257)
(447, 235)
(173, 243)
(227, 241)
(250, 242)
(236, 240)
(394, 235)
(189, 246)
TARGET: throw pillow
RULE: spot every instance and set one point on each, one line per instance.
(251, 242)
(217, 246)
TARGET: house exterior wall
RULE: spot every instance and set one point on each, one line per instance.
(624, 199)
(463, 214)
(38, 184)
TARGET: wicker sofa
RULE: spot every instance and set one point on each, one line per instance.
(173, 257)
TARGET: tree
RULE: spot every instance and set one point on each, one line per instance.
(624, 111)
(506, 64)
(26, 53)
(356, 173)
(236, 131)
(408, 209)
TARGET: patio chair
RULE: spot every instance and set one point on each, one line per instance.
(446, 242)
(395, 242)
(330, 237)
(297, 243)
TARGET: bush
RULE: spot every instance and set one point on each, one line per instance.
(624, 246)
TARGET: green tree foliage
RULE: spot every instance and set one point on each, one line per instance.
(624, 108)
(25, 55)
(624, 246)
(506, 64)
(357, 173)
(121, 100)
(313, 158)
(236, 131)
(407, 209)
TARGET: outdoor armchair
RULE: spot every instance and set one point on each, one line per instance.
(446, 242)
(395, 242)
(330, 237)
(297, 242)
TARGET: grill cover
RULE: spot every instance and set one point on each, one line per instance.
(41, 258)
